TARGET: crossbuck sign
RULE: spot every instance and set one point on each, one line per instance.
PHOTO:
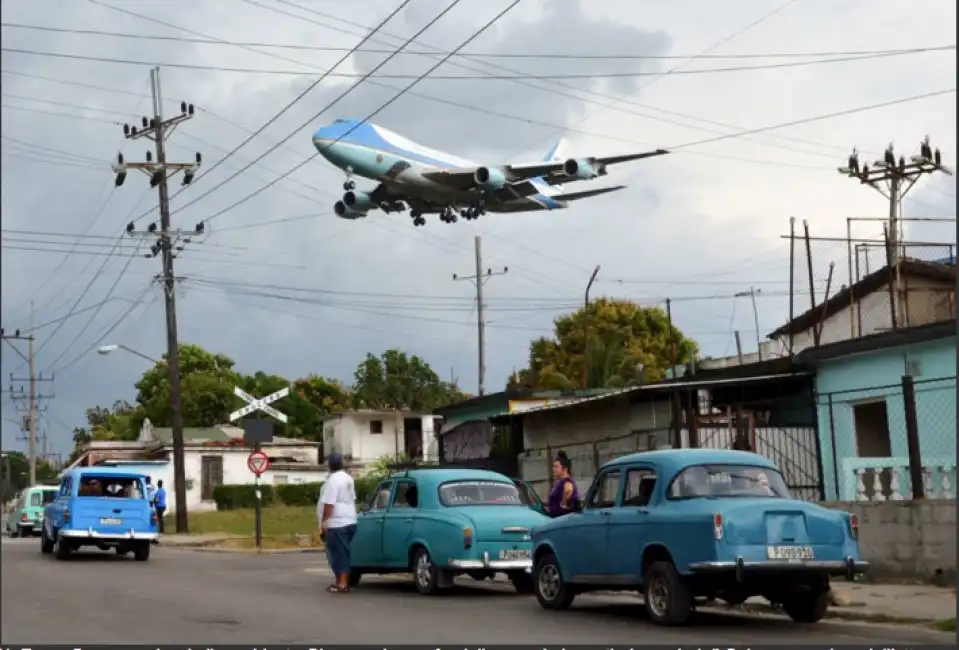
(254, 404)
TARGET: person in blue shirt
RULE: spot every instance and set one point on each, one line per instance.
(159, 502)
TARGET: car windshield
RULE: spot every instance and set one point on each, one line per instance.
(121, 487)
(712, 481)
(479, 493)
(43, 497)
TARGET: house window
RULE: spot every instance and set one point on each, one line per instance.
(872, 430)
(211, 475)
(376, 426)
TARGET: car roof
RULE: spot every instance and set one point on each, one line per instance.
(115, 472)
(42, 487)
(673, 460)
(443, 475)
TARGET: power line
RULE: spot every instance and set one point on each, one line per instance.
(78, 117)
(535, 76)
(69, 105)
(31, 145)
(489, 55)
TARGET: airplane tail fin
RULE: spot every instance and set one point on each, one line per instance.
(556, 153)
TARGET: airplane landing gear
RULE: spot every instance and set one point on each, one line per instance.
(418, 219)
(448, 216)
(349, 185)
(472, 212)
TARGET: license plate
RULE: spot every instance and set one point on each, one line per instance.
(514, 554)
(789, 552)
(111, 521)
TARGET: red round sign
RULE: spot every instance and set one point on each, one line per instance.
(258, 462)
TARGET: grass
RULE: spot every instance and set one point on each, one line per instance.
(946, 625)
(282, 526)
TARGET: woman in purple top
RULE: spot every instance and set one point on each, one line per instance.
(564, 495)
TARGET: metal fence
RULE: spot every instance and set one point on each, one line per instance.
(890, 442)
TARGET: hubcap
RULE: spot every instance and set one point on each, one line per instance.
(658, 597)
(423, 570)
(549, 582)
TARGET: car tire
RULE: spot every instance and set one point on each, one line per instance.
(355, 576)
(551, 590)
(46, 544)
(523, 582)
(141, 551)
(61, 549)
(807, 606)
(426, 576)
(667, 598)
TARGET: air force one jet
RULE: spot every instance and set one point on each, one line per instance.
(427, 181)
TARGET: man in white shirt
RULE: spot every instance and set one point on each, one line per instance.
(336, 512)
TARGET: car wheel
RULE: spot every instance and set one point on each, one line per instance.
(141, 552)
(668, 599)
(425, 572)
(61, 549)
(522, 582)
(355, 576)
(46, 544)
(551, 591)
(807, 606)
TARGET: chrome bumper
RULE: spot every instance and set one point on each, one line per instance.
(849, 566)
(494, 565)
(28, 524)
(89, 533)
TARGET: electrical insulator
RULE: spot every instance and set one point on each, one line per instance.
(145, 122)
(133, 130)
(130, 227)
(156, 178)
(153, 123)
(119, 158)
(152, 227)
(149, 156)
(199, 228)
(199, 158)
(937, 157)
(183, 107)
(121, 177)
(126, 129)
(190, 110)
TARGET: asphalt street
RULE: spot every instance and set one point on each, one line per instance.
(189, 596)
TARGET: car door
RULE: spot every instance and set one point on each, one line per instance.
(53, 514)
(530, 498)
(629, 525)
(398, 523)
(367, 545)
(587, 544)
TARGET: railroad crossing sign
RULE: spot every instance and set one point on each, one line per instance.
(254, 404)
(258, 462)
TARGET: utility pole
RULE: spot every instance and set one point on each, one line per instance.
(167, 243)
(29, 423)
(752, 295)
(589, 322)
(479, 279)
(893, 179)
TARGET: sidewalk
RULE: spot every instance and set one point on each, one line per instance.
(192, 541)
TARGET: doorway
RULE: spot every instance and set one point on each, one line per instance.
(413, 437)
(871, 422)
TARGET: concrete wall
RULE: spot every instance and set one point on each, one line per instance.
(911, 540)
(854, 379)
(350, 434)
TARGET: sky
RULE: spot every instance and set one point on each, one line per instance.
(697, 226)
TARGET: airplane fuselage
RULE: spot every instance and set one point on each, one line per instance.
(398, 163)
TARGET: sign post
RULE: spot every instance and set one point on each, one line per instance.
(255, 433)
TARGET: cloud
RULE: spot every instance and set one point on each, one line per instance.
(705, 222)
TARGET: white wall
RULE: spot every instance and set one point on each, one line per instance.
(350, 435)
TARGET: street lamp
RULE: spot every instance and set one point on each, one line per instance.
(107, 349)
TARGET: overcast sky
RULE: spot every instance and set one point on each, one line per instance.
(697, 226)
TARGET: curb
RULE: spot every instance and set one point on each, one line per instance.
(841, 613)
(211, 548)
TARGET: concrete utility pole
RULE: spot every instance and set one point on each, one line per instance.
(29, 423)
(589, 322)
(893, 179)
(752, 295)
(167, 242)
(479, 279)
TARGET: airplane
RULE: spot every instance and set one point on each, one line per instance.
(427, 181)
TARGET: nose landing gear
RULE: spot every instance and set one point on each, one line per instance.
(349, 185)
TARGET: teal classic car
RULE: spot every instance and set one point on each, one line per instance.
(696, 523)
(437, 523)
(27, 515)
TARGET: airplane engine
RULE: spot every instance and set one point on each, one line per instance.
(579, 169)
(343, 211)
(489, 179)
(358, 200)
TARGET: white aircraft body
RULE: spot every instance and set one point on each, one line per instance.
(426, 181)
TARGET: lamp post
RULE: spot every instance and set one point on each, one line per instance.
(107, 349)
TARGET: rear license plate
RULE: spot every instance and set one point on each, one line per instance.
(789, 552)
(514, 554)
(111, 521)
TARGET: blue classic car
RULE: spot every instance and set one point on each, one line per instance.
(437, 523)
(687, 523)
(105, 507)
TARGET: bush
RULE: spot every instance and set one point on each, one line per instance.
(233, 497)
(298, 494)
(365, 486)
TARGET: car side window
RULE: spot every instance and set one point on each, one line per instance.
(640, 483)
(605, 490)
(65, 487)
(406, 495)
(381, 499)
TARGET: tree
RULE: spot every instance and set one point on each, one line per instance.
(206, 388)
(619, 342)
(15, 471)
(395, 380)
(310, 399)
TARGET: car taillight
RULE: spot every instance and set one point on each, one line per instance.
(66, 516)
(854, 526)
(467, 538)
(718, 526)
(24, 517)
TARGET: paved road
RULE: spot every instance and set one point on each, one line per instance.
(183, 596)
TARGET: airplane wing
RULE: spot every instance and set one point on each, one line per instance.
(518, 177)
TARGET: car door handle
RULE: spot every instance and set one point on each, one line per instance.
(408, 520)
(605, 513)
(643, 511)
